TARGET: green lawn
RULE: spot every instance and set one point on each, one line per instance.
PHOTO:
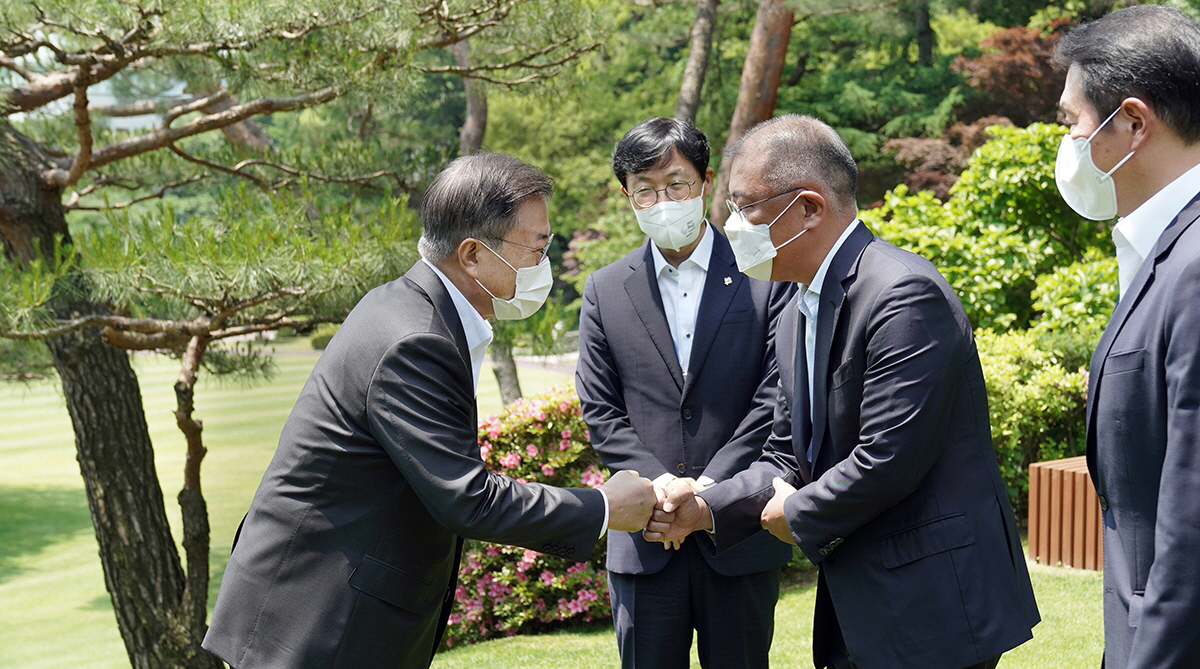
(55, 612)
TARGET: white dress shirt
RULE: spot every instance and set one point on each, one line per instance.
(1136, 234)
(681, 289)
(479, 336)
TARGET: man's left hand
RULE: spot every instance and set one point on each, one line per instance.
(772, 518)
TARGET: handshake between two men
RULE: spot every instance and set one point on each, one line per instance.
(670, 512)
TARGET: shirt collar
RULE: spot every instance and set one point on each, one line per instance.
(701, 255)
(1143, 226)
(475, 327)
(819, 277)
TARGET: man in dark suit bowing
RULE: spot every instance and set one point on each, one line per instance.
(349, 553)
(882, 424)
(1132, 101)
(676, 376)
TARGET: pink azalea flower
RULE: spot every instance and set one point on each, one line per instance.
(547, 470)
(510, 461)
(566, 434)
(531, 450)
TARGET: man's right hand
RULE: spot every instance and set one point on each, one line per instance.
(681, 513)
(630, 500)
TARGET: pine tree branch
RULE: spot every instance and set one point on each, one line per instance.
(10, 64)
(164, 137)
(219, 167)
(526, 61)
(159, 192)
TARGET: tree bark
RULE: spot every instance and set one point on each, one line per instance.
(474, 126)
(760, 84)
(141, 565)
(697, 63)
(505, 369)
(924, 33)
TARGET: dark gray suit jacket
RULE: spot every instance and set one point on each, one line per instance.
(906, 513)
(1144, 455)
(348, 555)
(643, 415)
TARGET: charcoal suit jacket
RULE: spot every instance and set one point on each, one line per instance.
(903, 507)
(348, 555)
(644, 415)
(1143, 449)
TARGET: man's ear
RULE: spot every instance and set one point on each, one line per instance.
(1140, 116)
(814, 207)
(467, 254)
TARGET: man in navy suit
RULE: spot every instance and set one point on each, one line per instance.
(882, 423)
(676, 377)
(1132, 100)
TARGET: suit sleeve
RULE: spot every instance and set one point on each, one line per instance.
(1169, 633)
(915, 350)
(746, 444)
(737, 503)
(420, 411)
(602, 398)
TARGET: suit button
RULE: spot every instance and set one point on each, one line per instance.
(687, 414)
(1103, 503)
(681, 468)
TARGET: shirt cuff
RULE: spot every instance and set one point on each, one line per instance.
(705, 481)
(604, 527)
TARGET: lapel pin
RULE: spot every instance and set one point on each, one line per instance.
(728, 280)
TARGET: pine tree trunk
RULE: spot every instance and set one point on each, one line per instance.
(697, 63)
(924, 31)
(141, 565)
(760, 84)
(505, 369)
(470, 139)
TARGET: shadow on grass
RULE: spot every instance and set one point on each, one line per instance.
(33, 518)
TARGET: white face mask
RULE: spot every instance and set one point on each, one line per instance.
(673, 225)
(533, 286)
(1087, 190)
(752, 245)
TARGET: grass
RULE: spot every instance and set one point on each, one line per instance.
(55, 612)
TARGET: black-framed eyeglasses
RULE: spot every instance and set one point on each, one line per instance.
(734, 209)
(677, 191)
(545, 250)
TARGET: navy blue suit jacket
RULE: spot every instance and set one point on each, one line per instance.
(645, 416)
(904, 508)
(1144, 456)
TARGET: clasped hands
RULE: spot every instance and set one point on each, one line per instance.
(679, 511)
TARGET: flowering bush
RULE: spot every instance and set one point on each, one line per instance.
(505, 590)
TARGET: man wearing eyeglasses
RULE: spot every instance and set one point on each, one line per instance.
(349, 554)
(676, 376)
(880, 466)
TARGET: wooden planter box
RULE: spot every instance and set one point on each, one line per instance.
(1064, 515)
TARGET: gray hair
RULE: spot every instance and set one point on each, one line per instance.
(802, 149)
(476, 196)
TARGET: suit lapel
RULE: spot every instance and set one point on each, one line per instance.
(429, 282)
(642, 288)
(1133, 296)
(833, 295)
(721, 283)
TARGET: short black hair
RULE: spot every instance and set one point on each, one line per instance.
(652, 142)
(476, 196)
(1149, 52)
(801, 150)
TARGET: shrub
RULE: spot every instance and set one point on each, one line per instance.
(322, 335)
(1037, 391)
(506, 590)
